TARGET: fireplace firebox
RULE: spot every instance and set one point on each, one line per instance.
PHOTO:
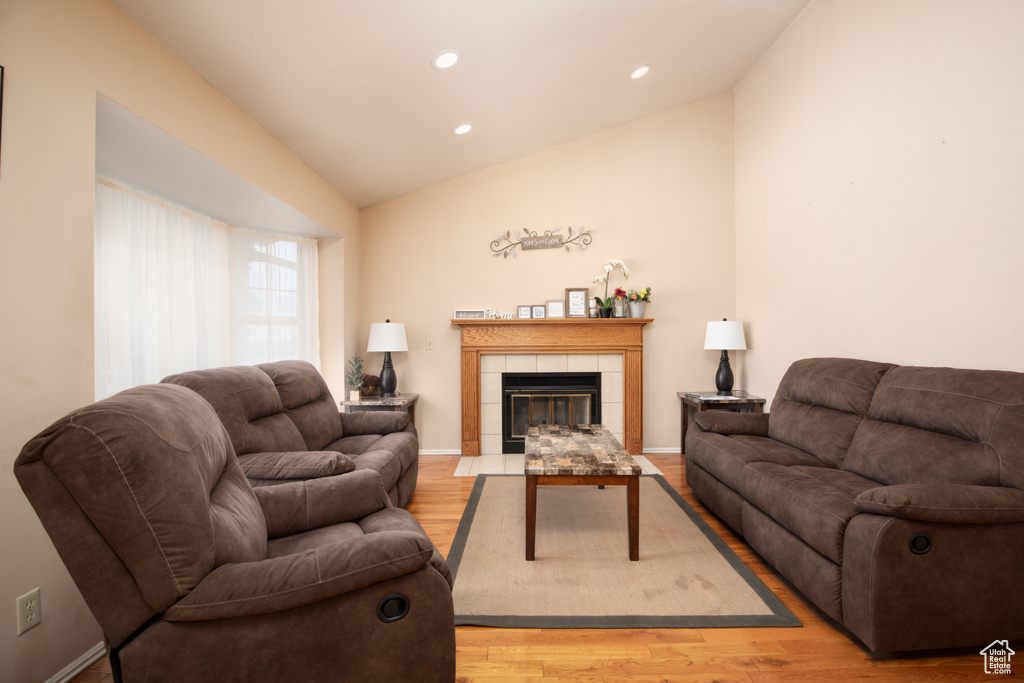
(533, 398)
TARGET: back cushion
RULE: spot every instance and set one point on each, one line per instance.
(943, 426)
(821, 402)
(306, 401)
(248, 404)
(153, 470)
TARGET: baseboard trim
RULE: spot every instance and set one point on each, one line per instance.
(457, 451)
(658, 451)
(76, 667)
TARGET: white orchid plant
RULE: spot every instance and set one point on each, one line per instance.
(604, 277)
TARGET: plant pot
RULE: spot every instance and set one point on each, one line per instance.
(604, 312)
(353, 395)
(636, 309)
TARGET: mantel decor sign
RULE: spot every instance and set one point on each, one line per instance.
(505, 246)
(470, 314)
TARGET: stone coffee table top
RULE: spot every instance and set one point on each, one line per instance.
(581, 450)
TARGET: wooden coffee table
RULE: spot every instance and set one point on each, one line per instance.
(579, 455)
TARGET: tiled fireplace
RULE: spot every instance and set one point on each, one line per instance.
(494, 409)
(611, 347)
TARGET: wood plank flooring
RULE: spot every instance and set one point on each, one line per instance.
(818, 651)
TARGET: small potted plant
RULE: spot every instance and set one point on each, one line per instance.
(638, 301)
(354, 377)
(604, 306)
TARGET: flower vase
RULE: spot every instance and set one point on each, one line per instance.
(636, 309)
(604, 312)
(619, 309)
(353, 396)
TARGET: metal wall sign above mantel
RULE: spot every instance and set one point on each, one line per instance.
(531, 240)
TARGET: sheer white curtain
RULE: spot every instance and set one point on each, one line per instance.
(177, 291)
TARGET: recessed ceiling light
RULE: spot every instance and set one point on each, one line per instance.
(446, 60)
(462, 129)
(640, 71)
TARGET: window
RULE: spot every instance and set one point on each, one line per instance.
(179, 291)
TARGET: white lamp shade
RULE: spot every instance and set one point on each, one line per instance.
(387, 337)
(725, 335)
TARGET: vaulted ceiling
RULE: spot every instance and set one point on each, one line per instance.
(349, 87)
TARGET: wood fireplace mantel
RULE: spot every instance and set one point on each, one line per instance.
(555, 335)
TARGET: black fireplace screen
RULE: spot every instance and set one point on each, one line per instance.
(546, 398)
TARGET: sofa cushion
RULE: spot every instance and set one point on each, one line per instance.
(943, 426)
(248, 405)
(821, 402)
(896, 454)
(390, 455)
(307, 401)
(814, 503)
(724, 457)
(295, 465)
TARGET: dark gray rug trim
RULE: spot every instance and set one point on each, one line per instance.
(781, 617)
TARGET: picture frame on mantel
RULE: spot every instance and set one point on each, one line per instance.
(538, 312)
(576, 302)
(555, 308)
(523, 312)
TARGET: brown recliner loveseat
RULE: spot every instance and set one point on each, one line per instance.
(892, 497)
(193, 575)
(285, 425)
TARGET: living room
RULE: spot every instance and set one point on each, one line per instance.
(857, 194)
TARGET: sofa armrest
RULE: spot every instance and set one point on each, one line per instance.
(298, 506)
(374, 422)
(955, 504)
(729, 424)
(281, 583)
(282, 466)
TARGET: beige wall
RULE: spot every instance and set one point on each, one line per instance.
(656, 193)
(58, 54)
(880, 187)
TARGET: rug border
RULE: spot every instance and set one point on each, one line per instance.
(781, 616)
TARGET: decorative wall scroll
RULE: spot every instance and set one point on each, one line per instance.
(504, 246)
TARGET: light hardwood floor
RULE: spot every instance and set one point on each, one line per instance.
(818, 651)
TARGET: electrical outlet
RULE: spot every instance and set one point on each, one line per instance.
(30, 612)
(430, 345)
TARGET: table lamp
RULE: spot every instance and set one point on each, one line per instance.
(387, 337)
(725, 336)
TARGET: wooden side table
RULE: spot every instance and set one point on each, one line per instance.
(403, 403)
(709, 400)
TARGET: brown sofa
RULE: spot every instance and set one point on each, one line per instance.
(890, 496)
(285, 425)
(194, 575)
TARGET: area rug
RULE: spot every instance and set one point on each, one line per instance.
(687, 577)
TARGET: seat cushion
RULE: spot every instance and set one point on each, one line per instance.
(814, 503)
(724, 457)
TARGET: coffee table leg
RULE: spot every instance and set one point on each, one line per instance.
(633, 510)
(531, 515)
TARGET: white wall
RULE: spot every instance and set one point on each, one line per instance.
(656, 193)
(880, 187)
(58, 54)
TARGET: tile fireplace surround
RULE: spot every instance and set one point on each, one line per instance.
(613, 347)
